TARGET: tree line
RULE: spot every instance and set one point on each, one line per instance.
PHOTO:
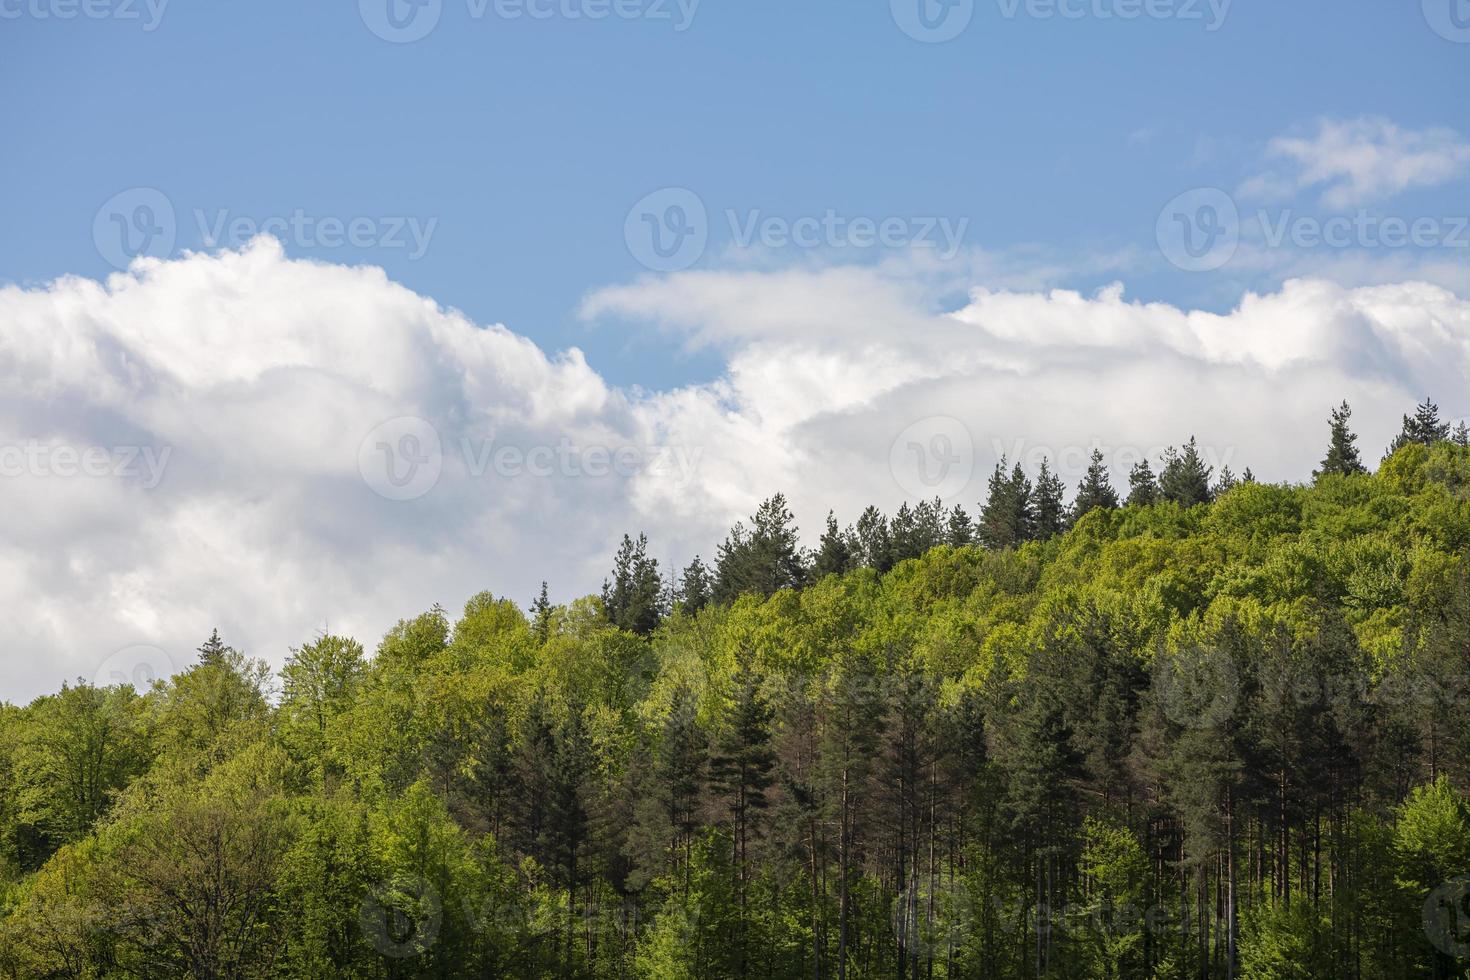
(1212, 728)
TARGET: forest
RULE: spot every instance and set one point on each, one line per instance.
(1199, 726)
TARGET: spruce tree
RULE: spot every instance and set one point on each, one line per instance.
(695, 587)
(1425, 428)
(1007, 517)
(764, 559)
(1185, 479)
(541, 614)
(1461, 435)
(1225, 482)
(1051, 511)
(835, 551)
(874, 543)
(1143, 490)
(632, 599)
(213, 652)
(960, 530)
(1096, 489)
(1342, 453)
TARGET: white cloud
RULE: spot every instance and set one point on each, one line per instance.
(1360, 161)
(262, 375)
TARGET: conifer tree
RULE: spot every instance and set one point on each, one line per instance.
(1096, 489)
(1425, 428)
(1185, 479)
(1225, 482)
(213, 652)
(1051, 511)
(695, 587)
(1342, 453)
(835, 551)
(633, 598)
(541, 609)
(960, 530)
(764, 559)
(1143, 490)
(874, 543)
(1007, 518)
(1461, 435)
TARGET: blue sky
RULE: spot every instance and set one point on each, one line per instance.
(529, 140)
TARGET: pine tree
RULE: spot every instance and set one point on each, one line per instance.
(1225, 482)
(1461, 435)
(1096, 489)
(960, 530)
(764, 559)
(1051, 511)
(835, 552)
(213, 653)
(633, 598)
(740, 773)
(1342, 453)
(541, 609)
(1185, 479)
(1007, 518)
(695, 587)
(874, 543)
(1425, 428)
(1143, 490)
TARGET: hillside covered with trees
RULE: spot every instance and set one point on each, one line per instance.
(1195, 727)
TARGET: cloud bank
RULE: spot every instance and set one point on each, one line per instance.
(330, 450)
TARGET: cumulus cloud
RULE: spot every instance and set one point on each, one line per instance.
(1360, 161)
(289, 405)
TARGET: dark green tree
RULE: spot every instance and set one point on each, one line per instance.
(1185, 479)
(1424, 427)
(1143, 489)
(874, 543)
(1096, 489)
(1051, 510)
(696, 587)
(541, 610)
(1342, 452)
(1008, 516)
(960, 530)
(835, 552)
(633, 597)
(764, 559)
